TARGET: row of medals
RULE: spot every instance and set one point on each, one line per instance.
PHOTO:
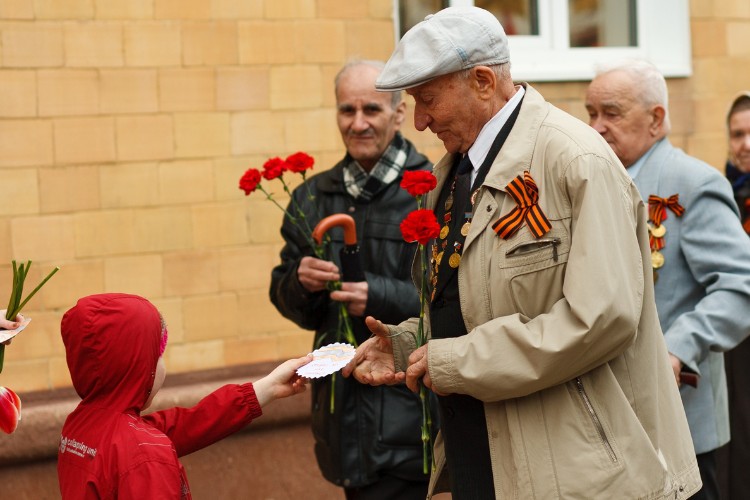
(438, 247)
(657, 258)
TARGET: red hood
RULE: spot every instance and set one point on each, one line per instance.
(112, 346)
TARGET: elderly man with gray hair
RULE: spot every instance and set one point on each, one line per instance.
(544, 347)
(699, 252)
(367, 439)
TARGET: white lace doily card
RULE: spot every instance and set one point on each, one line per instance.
(9, 334)
(327, 359)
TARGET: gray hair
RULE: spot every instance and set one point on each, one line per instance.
(379, 65)
(651, 87)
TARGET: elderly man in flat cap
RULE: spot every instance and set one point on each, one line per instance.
(545, 349)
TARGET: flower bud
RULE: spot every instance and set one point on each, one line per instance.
(10, 410)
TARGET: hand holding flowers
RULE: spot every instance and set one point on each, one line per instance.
(15, 303)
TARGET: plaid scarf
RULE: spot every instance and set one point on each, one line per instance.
(363, 185)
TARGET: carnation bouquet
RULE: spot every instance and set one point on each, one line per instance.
(421, 226)
(274, 170)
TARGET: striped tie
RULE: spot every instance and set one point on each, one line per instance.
(526, 195)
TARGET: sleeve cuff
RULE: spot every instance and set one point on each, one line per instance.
(250, 400)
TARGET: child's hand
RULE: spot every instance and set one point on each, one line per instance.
(9, 325)
(282, 382)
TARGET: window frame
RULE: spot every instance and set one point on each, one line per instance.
(548, 57)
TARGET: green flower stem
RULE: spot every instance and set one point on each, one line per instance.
(300, 213)
(426, 429)
(293, 219)
(332, 398)
(13, 300)
(421, 339)
(345, 331)
(310, 195)
(38, 287)
(16, 293)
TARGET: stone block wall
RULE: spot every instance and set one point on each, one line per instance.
(125, 125)
(124, 128)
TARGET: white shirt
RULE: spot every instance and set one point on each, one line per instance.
(478, 151)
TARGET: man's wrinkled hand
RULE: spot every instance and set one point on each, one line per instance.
(419, 370)
(373, 363)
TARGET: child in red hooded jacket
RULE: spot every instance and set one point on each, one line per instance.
(113, 345)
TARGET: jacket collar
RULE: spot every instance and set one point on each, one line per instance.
(650, 173)
(513, 161)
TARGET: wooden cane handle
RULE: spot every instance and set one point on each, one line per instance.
(343, 220)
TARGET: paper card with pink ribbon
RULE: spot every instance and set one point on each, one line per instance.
(6, 335)
(327, 359)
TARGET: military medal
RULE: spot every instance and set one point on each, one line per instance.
(438, 252)
(474, 196)
(657, 212)
(455, 259)
(657, 259)
(657, 231)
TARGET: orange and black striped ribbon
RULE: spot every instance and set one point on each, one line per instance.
(657, 208)
(526, 195)
(656, 243)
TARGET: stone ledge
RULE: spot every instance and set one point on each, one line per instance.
(43, 413)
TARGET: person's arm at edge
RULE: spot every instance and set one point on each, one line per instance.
(718, 254)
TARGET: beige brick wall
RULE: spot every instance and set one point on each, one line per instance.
(125, 125)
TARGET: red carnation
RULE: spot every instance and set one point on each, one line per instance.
(273, 168)
(250, 181)
(418, 182)
(299, 162)
(421, 226)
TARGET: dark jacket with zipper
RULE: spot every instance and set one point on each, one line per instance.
(371, 430)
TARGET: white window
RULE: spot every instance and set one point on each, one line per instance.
(563, 40)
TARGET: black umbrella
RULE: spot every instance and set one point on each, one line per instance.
(351, 267)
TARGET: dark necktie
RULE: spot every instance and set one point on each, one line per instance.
(463, 187)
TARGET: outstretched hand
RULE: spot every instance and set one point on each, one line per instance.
(282, 382)
(373, 363)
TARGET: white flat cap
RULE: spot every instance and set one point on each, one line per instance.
(454, 39)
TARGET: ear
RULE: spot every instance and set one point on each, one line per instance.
(484, 81)
(657, 120)
(400, 113)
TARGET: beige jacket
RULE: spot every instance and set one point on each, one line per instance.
(564, 344)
